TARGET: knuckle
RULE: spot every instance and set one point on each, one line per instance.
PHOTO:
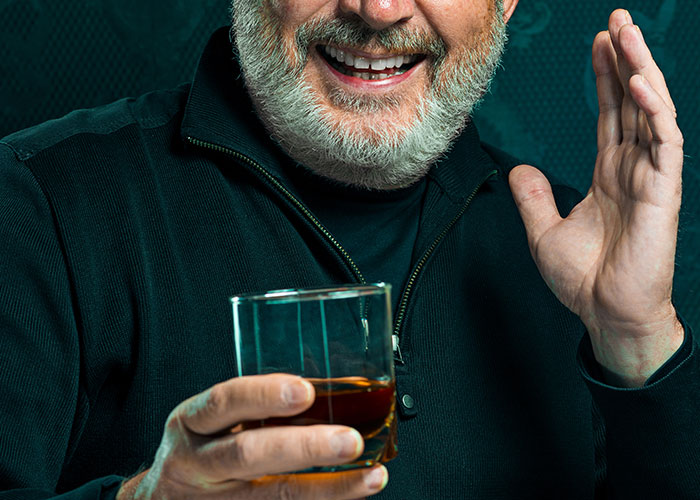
(174, 422)
(272, 394)
(214, 400)
(680, 140)
(243, 450)
(309, 446)
(676, 141)
(172, 459)
(188, 415)
(257, 392)
(533, 194)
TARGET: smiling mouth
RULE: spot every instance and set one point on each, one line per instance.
(349, 64)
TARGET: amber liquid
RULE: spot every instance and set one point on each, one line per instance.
(364, 404)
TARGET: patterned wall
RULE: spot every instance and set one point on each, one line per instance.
(58, 55)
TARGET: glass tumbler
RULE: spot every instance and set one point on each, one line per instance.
(339, 339)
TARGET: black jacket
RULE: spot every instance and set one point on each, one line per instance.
(124, 229)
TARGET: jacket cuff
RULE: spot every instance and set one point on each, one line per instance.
(652, 433)
(592, 373)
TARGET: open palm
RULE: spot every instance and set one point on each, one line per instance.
(611, 260)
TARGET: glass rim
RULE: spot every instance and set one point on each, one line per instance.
(315, 293)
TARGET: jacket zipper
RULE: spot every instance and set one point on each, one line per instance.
(279, 187)
(401, 312)
(341, 251)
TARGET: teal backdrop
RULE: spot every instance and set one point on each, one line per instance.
(59, 55)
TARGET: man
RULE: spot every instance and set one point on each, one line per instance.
(125, 228)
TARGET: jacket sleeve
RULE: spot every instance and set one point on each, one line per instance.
(652, 433)
(40, 380)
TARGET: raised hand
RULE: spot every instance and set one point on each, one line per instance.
(611, 260)
(205, 454)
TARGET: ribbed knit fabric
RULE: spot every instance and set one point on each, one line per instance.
(124, 230)
(377, 228)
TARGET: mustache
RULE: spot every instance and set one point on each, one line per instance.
(354, 33)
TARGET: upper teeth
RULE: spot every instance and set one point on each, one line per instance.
(366, 63)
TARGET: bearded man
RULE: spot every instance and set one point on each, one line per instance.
(538, 352)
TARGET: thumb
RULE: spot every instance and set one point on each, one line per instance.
(533, 197)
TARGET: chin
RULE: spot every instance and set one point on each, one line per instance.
(374, 126)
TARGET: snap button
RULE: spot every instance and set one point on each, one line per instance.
(407, 401)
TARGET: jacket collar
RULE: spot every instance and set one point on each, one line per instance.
(219, 111)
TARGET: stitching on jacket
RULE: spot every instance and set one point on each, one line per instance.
(444, 190)
(19, 153)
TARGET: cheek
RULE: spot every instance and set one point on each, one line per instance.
(289, 15)
(293, 13)
(459, 22)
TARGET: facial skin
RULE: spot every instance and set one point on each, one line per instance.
(378, 134)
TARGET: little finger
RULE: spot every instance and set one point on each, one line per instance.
(620, 21)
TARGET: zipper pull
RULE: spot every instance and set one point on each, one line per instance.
(397, 350)
(365, 329)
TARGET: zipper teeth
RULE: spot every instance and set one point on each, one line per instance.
(290, 197)
(414, 276)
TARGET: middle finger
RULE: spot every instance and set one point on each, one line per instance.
(275, 450)
(629, 111)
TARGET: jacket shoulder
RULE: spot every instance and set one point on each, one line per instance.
(148, 111)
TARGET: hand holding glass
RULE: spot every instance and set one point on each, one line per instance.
(339, 339)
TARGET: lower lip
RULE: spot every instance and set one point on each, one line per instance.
(361, 84)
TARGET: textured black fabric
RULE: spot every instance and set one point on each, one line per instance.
(124, 230)
(378, 228)
(630, 414)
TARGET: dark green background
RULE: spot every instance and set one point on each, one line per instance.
(58, 55)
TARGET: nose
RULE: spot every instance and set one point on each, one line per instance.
(379, 14)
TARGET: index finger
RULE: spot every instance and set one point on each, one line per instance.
(634, 56)
(255, 397)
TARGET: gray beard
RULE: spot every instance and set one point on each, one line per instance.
(380, 155)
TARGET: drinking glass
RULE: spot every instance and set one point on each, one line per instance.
(339, 339)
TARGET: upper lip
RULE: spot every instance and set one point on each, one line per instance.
(368, 55)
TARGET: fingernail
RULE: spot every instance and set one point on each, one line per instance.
(377, 478)
(346, 444)
(296, 393)
(628, 16)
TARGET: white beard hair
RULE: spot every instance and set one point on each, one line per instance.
(377, 156)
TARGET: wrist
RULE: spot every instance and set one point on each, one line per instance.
(629, 356)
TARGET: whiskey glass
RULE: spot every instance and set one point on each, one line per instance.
(337, 338)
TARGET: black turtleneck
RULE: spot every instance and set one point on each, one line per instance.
(377, 228)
